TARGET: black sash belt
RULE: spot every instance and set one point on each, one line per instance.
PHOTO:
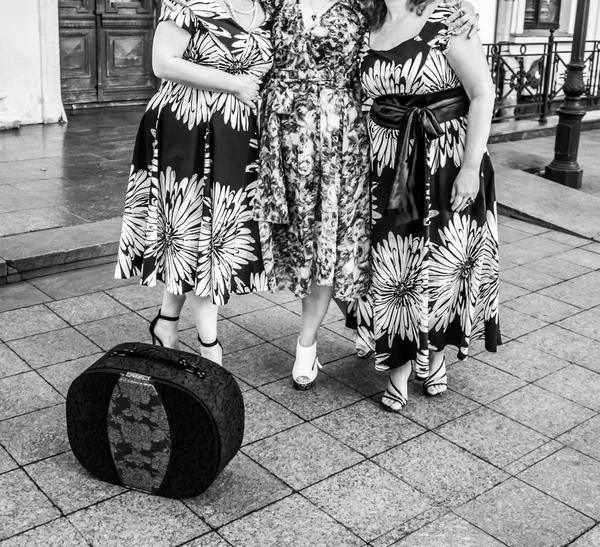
(416, 117)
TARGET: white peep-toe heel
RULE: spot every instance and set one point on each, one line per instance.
(306, 366)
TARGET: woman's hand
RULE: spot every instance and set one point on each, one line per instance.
(246, 89)
(465, 189)
(463, 20)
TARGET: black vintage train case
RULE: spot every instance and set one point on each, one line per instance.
(158, 420)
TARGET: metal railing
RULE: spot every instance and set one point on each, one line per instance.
(529, 78)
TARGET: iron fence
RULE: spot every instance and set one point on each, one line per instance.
(529, 78)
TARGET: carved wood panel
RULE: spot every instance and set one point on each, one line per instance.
(106, 50)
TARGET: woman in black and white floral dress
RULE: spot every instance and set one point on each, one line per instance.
(434, 241)
(188, 214)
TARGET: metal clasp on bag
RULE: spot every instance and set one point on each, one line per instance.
(191, 369)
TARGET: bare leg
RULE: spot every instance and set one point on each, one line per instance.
(205, 316)
(314, 309)
(396, 394)
(166, 331)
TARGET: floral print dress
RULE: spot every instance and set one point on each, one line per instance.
(434, 280)
(188, 210)
(313, 197)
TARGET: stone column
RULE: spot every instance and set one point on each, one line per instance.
(8, 118)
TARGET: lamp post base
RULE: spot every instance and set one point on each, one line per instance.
(567, 174)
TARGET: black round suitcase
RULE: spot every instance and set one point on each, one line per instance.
(158, 420)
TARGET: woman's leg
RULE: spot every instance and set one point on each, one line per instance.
(165, 330)
(396, 394)
(205, 316)
(437, 381)
(314, 309)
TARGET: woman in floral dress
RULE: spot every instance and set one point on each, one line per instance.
(434, 242)
(188, 211)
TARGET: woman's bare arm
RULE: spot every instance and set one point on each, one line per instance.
(467, 59)
(170, 43)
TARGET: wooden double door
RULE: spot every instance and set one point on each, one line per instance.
(106, 50)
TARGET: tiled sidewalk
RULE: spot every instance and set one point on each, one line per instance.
(509, 456)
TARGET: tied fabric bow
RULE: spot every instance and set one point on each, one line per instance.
(417, 119)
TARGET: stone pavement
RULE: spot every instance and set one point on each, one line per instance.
(509, 456)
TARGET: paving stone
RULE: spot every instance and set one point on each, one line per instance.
(23, 505)
(515, 324)
(519, 515)
(569, 476)
(35, 435)
(6, 462)
(533, 457)
(385, 501)
(293, 522)
(529, 279)
(446, 531)
(541, 410)
(131, 519)
(542, 307)
(508, 291)
(582, 257)
(14, 400)
(533, 248)
(79, 282)
(444, 472)
(589, 539)
(109, 332)
(430, 412)
(209, 540)
(303, 455)
(279, 297)
(506, 234)
(527, 227)
(340, 328)
(240, 304)
(58, 533)
(576, 384)
(564, 344)
(68, 485)
(265, 417)
(27, 322)
(573, 293)
(20, 295)
(278, 323)
(491, 436)
(242, 488)
(86, 308)
(232, 337)
(481, 382)
(585, 437)
(522, 360)
(260, 364)
(137, 297)
(62, 375)
(586, 323)
(567, 239)
(359, 374)
(53, 347)
(367, 428)
(326, 396)
(557, 267)
(330, 347)
(10, 362)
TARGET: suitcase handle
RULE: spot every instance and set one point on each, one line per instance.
(181, 363)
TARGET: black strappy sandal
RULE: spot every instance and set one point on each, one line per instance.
(437, 378)
(211, 345)
(152, 326)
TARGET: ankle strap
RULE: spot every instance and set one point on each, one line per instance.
(212, 344)
(166, 318)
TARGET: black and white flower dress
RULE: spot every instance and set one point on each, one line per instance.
(435, 280)
(188, 210)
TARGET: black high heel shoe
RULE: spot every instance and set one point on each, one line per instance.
(219, 359)
(152, 326)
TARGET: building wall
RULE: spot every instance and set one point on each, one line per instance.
(30, 60)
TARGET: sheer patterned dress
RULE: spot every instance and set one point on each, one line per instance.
(313, 197)
(188, 210)
(435, 279)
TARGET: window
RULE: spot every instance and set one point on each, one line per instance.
(542, 14)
